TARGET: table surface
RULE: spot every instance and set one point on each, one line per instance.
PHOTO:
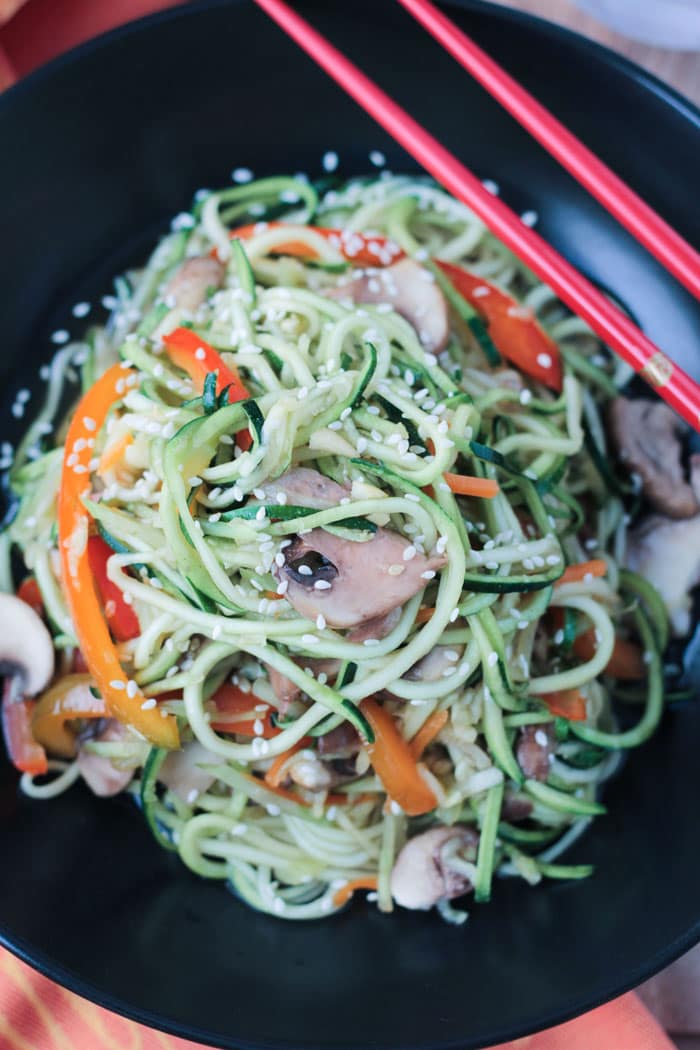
(679, 68)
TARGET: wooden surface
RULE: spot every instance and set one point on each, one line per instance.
(681, 69)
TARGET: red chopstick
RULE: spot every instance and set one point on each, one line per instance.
(669, 380)
(657, 236)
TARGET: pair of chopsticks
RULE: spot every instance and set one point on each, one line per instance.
(669, 380)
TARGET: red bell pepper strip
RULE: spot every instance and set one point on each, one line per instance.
(514, 329)
(29, 593)
(77, 577)
(23, 750)
(123, 621)
(236, 713)
(194, 355)
(357, 248)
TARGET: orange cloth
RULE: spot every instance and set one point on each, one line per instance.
(36, 1014)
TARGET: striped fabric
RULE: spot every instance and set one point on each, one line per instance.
(36, 1014)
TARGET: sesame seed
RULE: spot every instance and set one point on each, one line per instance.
(322, 585)
(541, 738)
(492, 659)
(491, 187)
(529, 218)
(241, 175)
(117, 684)
(284, 586)
(81, 309)
(409, 552)
(371, 641)
(309, 639)
(553, 559)
(429, 574)
(544, 360)
(258, 727)
(89, 423)
(321, 621)
(329, 161)
(396, 570)
(525, 397)
(200, 353)
(377, 158)
(522, 624)
(60, 336)
(148, 705)
(131, 688)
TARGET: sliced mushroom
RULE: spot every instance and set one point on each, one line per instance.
(534, 751)
(182, 774)
(515, 807)
(287, 691)
(309, 772)
(100, 773)
(421, 875)
(377, 628)
(26, 650)
(667, 553)
(441, 659)
(187, 288)
(412, 291)
(349, 582)
(341, 742)
(304, 487)
(647, 436)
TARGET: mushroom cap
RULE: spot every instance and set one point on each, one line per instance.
(345, 568)
(27, 649)
(647, 435)
(412, 291)
(420, 879)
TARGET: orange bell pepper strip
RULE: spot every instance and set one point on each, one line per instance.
(566, 703)
(273, 777)
(77, 578)
(356, 248)
(113, 454)
(427, 733)
(517, 334)
(625, 663)
(597, 567)
(29, 593)
(394, 763)
(465, 485)
(68, 699)
(424, 614)
(343, 895)
(24, 752)
(197, 358)
(235, 712)
(123, 621)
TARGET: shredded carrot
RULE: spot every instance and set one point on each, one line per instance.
(427, 733)
(113, 453)
(465, 485)
(343, 895)
(577, 573)
(394, 764)
(275, 773)
(273, 596)
(424, 614)
(566, 703)
(625, 663)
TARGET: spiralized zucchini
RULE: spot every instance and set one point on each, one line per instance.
(349, 390)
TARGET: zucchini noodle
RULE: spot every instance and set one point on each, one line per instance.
(334, 501)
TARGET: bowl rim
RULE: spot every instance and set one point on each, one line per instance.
(37, 958)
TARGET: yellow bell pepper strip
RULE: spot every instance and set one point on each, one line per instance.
(194, 355)
(69, 698)
(78, 583)
(394, 763)
(515, 330)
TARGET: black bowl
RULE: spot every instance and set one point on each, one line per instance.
(98, 150)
